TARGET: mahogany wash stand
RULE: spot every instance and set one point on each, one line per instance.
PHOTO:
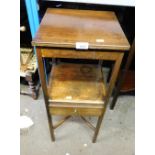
(78, 89)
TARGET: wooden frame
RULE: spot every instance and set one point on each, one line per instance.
(99, 55)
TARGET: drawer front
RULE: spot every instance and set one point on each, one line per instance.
(76, 111)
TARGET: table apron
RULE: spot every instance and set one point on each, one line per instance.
(78, 54)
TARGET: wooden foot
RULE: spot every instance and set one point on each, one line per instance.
(97, 128)
(51, 127)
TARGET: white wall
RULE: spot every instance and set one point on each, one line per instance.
(104, 2)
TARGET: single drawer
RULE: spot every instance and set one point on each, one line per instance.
(76, 111)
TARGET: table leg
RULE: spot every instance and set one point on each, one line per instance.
(44, 87)
(113, 78)
(100, 118)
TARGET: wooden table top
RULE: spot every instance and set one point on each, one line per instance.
(67, 27)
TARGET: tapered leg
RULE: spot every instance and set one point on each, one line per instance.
(97, 128)
(44, 87)
(110, 88)
(116, 93)
(51, 127)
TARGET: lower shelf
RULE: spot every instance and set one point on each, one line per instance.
(76, 87)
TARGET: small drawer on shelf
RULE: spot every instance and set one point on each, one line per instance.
(76, 111)
(63, 111)
(90, 111)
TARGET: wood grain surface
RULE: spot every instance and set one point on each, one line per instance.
(65, 27)
(76, 85)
